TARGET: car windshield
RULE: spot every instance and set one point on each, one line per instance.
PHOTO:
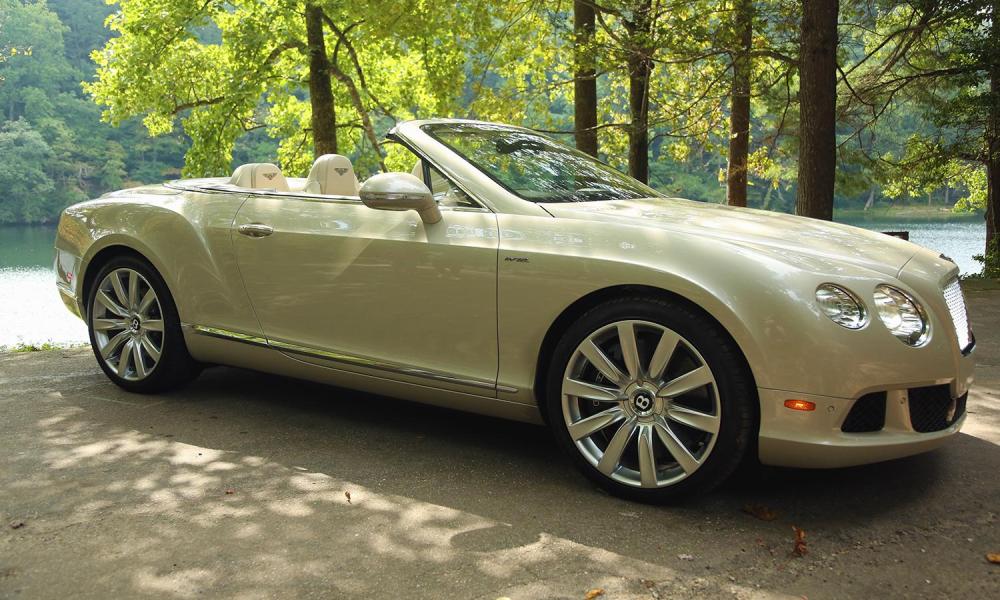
(535, 167)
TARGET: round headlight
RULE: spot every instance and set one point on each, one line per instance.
(843, 307)
(902, 315)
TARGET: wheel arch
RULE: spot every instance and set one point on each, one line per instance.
(572, 312)
(101, 253)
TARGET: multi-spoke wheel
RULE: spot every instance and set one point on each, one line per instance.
(652, 398)
(134, 329)
(128, 324)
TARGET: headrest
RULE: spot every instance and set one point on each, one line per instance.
(259, 176)
(332, 175)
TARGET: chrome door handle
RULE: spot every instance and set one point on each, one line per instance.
(255, 230)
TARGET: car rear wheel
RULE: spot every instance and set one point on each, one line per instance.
(651, 398)
(134, 328)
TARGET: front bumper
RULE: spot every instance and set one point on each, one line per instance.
(877, 399)
(817, 439)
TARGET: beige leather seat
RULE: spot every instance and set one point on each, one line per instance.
(332, 175)
(259, 176)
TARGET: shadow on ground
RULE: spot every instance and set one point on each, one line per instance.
(237, 487)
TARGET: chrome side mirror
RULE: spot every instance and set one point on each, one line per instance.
(400, 191)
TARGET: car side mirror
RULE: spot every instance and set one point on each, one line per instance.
(400, 191)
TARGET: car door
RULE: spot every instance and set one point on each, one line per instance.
(380, 292)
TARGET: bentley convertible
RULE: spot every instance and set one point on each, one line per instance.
(662, 340)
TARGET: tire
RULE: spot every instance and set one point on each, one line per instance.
(120, 318)
(669, 421)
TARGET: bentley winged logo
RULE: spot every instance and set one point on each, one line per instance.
(341, 170)
(269, 176)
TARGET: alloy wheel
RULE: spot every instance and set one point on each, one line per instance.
(641, 404)
(127, 322)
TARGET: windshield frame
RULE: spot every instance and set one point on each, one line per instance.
(429, 129)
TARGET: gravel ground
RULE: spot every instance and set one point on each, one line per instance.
(237, 487)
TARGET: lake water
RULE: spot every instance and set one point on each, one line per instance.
(31, 311)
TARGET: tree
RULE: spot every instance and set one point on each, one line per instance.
(585, 78)
(639, 23)
(22, 175)
(167, 66)
(991, 55)
(322, 110)
(739, 112)
(939, 62)
(817, 109)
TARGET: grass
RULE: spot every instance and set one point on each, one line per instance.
(22, 347)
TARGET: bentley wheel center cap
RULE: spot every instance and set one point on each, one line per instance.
(643, 402)
(134, 325)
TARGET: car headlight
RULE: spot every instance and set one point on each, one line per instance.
(842, 306)
(902, 315)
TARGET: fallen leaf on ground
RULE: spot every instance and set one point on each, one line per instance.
(994, 557)
(16, 524)
(685, 557)
(760, 511)
(593, 594)
(348, 496)
(800, 542)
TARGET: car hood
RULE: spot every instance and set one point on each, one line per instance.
(789, 237)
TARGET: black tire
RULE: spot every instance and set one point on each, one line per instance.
(175, 366)
(737, 395)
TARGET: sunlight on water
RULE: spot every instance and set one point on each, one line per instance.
(960, 240)
(31, 311)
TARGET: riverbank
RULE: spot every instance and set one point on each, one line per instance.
(928, 214)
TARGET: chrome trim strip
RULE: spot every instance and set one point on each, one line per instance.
(348, 359)
(225, 334)
(305, 197)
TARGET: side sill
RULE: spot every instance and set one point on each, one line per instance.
(343, 358)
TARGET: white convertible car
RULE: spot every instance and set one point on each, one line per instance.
(662, 340)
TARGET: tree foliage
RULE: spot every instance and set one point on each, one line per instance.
(201, 85)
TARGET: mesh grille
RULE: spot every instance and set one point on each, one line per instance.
(867, 414)
(933, 409)
(956, 306)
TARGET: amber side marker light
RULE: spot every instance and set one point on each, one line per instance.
(800, 405)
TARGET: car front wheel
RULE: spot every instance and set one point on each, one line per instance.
(651, 398)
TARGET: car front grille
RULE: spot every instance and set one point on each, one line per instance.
(932, 408)
(956, 306)
(867, 414)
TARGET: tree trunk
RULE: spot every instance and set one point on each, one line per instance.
(871, 199)
(739, 114)
(993, 145)
(324, 120)
(781, 197)
(766, 202)
(585, 78)
(817, 108)
(640, 66)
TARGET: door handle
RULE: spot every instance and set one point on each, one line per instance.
(255, 230)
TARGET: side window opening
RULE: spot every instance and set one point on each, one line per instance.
(445, 193)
